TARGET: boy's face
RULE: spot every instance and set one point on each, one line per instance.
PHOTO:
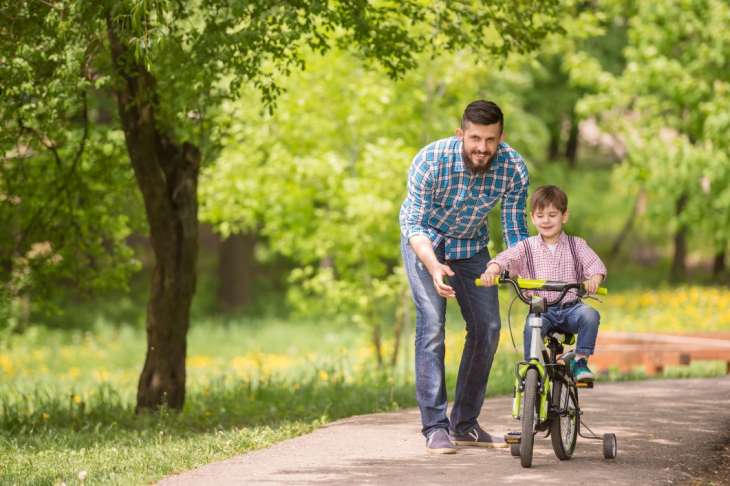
(549, 221)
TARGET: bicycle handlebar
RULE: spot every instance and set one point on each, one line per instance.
(521, 284)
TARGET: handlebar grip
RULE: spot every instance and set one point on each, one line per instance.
(602, 291)
(478, 281)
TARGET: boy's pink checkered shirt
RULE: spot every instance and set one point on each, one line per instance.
(549, 266)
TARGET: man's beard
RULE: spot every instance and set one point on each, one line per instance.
(476, 170)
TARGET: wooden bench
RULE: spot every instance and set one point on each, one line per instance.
(627, 351)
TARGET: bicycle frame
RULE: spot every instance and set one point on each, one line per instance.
(535, 360)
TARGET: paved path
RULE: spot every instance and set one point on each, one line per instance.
(668, 432)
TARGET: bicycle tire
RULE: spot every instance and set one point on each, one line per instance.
(564, 428)
(527, 419)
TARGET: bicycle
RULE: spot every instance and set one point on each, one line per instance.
(545, 394)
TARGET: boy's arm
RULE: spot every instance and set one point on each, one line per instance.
(510, 259)
(589, 259)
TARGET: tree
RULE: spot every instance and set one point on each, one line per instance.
(666, 105)
(169, 65)
(330, 203)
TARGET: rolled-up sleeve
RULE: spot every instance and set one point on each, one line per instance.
(420, 197)
(511, 260)
(592, 264)
(513, 206)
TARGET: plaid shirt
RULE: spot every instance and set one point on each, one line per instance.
(448, 204)
(548, 266)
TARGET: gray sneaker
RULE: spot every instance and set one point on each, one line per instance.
(438, 442)
(477, 437)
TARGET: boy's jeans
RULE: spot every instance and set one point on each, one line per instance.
(480, 309)
(580, 319)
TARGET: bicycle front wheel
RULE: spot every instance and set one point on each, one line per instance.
(564, 425)
(528, 417)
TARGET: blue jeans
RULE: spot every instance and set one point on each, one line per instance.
(580, 319)
(480, 309)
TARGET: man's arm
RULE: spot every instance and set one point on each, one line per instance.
(424, 251)
(420, 197)
(415, 227)
(513, 205)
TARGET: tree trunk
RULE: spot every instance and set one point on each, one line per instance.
(236, 271)
(571, 147)
(376, 339)
(628, 225)
(679, 267)
(167, 175)
(402, 318)
(718, 264)
(554, 142)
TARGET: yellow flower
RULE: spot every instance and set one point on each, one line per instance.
(199, 361)
(323, 375)
(7, 365)
(76, 399)
(45, 416)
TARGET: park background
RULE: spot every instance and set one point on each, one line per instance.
(300, 314)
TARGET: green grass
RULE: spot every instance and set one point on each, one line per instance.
(67, 397)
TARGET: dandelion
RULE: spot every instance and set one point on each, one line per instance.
(76, 399)
(323, 375)
(45, 416)
(6, 365)
(82, 476)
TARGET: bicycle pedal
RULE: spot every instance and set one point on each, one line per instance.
(584, 384)
(513, 437)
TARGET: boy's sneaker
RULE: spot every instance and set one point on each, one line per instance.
(438, 442)
(477, 437)
(580, 371)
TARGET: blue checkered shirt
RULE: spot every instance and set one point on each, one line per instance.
(448, 204)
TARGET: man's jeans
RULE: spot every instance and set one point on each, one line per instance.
(580, 319)
(480, 309)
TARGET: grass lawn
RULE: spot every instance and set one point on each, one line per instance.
(67, 398)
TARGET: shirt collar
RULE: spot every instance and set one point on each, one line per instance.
(561, 239)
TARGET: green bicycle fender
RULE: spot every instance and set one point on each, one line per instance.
(521, 373)
(546, 389)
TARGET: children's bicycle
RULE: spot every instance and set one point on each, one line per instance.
(545, 392)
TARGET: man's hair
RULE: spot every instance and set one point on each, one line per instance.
(482, 112)
(545, 196)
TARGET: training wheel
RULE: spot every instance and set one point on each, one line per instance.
(609, 446)
(514, 449)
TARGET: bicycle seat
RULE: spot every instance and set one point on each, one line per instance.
(562, 337)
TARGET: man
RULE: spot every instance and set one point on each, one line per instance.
(452, 185)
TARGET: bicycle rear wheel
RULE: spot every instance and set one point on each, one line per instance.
(528, 417)
(564, 426)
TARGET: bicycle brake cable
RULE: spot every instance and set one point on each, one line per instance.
(509, 323)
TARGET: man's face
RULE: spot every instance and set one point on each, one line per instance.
(480, 145)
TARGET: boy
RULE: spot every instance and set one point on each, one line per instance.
(553, 255)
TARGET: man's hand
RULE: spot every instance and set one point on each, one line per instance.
(437, 273)
(490, 275)
(593, 283)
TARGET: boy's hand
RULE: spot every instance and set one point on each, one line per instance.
(593, 283)
(490, 275)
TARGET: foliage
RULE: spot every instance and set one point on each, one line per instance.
(330, 202)
(668, 105)
(66, 205)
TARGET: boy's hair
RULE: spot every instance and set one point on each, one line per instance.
(545, 196)
(482, 112)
